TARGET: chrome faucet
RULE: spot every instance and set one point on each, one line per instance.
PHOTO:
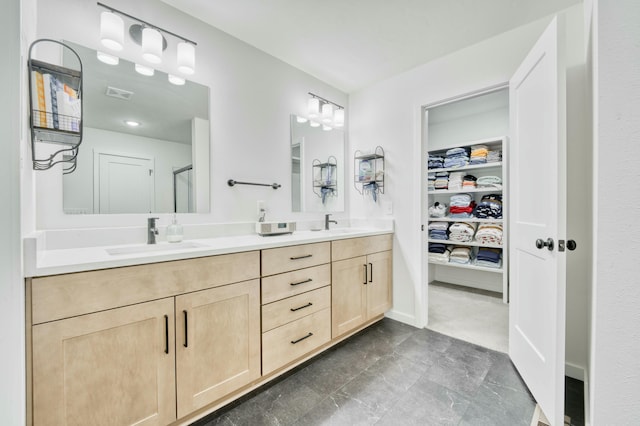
(152, 230)
(327, 221)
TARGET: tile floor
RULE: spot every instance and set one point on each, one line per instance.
(391, 374)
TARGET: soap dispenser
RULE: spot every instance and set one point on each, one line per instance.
(174, 231)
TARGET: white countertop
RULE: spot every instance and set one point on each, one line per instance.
(62, 261)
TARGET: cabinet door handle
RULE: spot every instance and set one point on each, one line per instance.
(186, 329)
(302, 282)
(371, 272)
(306, 256)
(365, 274)
(166, 334)
(301, 307)
(302, 338)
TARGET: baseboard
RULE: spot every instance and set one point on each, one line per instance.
(574, 371)
(402, 317)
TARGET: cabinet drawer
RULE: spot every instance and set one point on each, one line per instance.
(353, 247)
(284, 259)
(289, 342)
(292, 308)
(68, 295)
(278, 287)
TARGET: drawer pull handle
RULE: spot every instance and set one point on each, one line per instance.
(166, 334)
(365, 274)
(371, 272)
(186, 330)
(302, 282)
(302, 338)
(306, 256)
(302, 307)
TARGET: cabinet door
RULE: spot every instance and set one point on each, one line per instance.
(115, 367)
(349, 297)
(379, 285)
(217, 343)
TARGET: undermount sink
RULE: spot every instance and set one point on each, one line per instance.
(338, 230)
(152, 248)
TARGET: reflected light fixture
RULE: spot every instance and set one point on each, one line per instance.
(186, 57)
(107, 59)
(314, 123)
(152, 45)
(144, 70)
(132, 123)
(111, 31)
(329, 113)
(326, 128)
(300, 119)
(178, 81)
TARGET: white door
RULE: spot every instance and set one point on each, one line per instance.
(123, 184)
(537, 211)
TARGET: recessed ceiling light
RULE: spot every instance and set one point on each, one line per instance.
(132, 123)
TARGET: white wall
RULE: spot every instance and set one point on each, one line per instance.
(78, 186)
(394, 106)
(252, 95)
(12, 385)
(615, 339)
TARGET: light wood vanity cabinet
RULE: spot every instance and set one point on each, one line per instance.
(123, 364)
(361, 281)
(296, 310)
(151, 344)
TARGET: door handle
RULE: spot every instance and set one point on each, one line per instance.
(548, 244)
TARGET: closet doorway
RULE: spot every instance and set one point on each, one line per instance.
(465, 238)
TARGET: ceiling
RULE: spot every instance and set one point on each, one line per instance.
(351, 44)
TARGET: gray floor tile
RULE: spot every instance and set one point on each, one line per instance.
(340, 410)
(499, 405)
(423, 346)
(426, 403)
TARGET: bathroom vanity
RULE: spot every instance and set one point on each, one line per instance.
(167, 342)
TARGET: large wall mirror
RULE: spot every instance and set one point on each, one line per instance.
(145, 145)
(317, 167)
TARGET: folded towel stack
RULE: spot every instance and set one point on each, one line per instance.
(438, 253)
(431, 181)
(461, 255)
(489, 233)
(489, 182)
(455, 181)
(438, 210)
(438, 230)
(489, 257)
(456, 157)
(479, 154)
(435, 162)
(462, 206)
(494, 155)
(442, 180)
(469, 182)
(462, 232)
(490, 207)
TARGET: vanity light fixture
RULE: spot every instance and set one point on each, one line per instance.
(107, 59)
(152, 45)
(111, 31)
(332, 114)
(144, 70)
(151, 38)
(132, 123)
(314, 123)
(300, 119)
(178, 81)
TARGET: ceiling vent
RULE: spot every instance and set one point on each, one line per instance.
(122, 94)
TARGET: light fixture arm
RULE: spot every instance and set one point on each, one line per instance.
(119, 12)
(313, 95)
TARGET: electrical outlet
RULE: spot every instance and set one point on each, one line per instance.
(260, 207)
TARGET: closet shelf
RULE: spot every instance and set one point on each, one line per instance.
(471, 267)
(469, 244)
(462, 191)
(495, 165)
(469, 219)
